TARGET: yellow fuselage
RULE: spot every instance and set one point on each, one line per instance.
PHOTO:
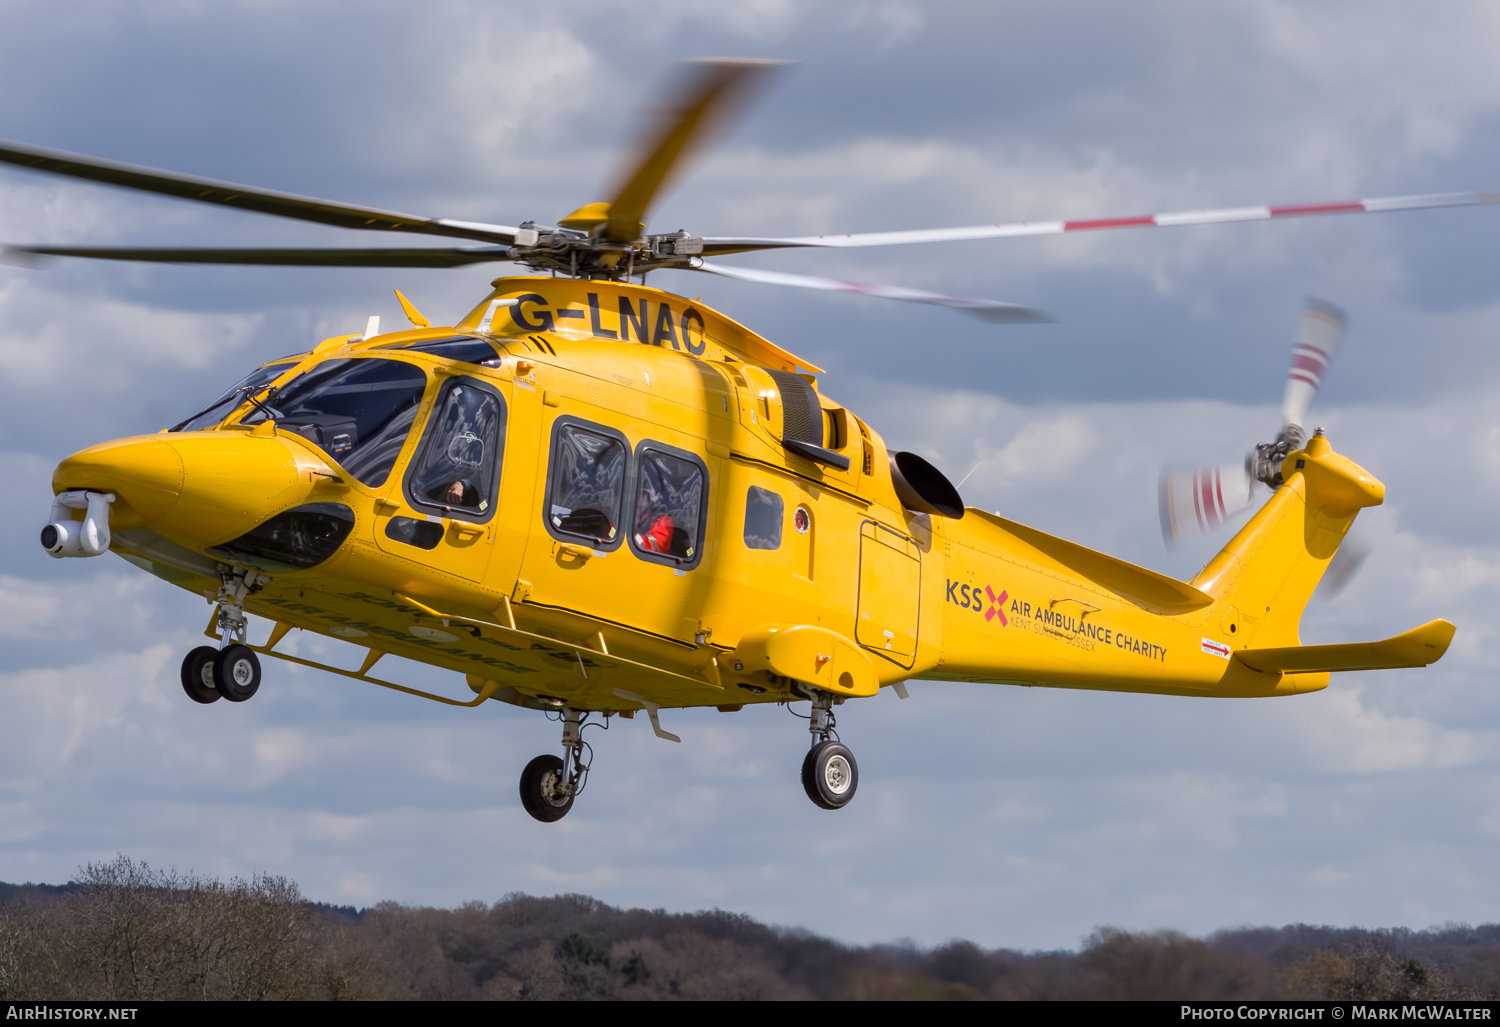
(504, 595)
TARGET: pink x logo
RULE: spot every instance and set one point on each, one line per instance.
(996, 606)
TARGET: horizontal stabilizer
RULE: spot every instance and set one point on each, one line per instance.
(1415, 648)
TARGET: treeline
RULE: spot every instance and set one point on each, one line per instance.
(125, 931)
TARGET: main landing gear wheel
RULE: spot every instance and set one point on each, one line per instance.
(548, 784)
(543, 791)
(236, 672)
(830, 775)
(198, 674)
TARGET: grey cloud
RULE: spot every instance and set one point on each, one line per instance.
(1012, 816)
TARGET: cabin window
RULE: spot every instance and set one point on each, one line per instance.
(357, 411)
(586, 486)
(764, 515)
(457, 467)
(667, 522)
(211, 415)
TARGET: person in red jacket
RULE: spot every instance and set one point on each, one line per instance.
(656, 536)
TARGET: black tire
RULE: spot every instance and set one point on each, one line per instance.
(538, 780)
(236, 672)
(198, 674)
(830, 775)
(807, 779)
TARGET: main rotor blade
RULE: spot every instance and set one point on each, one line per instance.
(415, 256)
(720, 246)
(707, 99)
(992, 311)
(264, 201)
(1319, 337)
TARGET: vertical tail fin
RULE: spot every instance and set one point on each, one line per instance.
(1264, 577)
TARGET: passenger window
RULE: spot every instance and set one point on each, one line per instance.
(764, 516)
(587, 488)
(668, 518)
(458, 466)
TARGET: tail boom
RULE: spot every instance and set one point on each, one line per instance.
(1022, 607)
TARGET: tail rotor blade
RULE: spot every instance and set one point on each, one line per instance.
(1193, 502)
(1319, 337)
(1351, 556)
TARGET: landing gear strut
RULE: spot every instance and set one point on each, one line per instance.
(548, 784)
(829, 773)
(231, 671)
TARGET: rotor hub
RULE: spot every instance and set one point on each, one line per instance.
(581, 254)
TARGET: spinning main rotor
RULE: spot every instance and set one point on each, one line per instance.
(608, 240)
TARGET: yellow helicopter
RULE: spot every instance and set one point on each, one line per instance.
(592, 498)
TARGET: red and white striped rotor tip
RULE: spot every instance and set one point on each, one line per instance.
(1270, 212)
(1193, 502)
(1319, 337)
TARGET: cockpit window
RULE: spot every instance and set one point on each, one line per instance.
(216, 411)
(467, 350)
(359, 412)
(459, 461)
(586, 488)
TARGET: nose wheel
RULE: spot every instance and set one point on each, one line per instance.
(210, 674)
(829, 773)
(233, 670)
(236, 672)
(198, 675)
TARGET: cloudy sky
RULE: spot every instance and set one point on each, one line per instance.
(1009, 816)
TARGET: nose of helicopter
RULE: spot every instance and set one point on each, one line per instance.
(146, 474)
(198, 489)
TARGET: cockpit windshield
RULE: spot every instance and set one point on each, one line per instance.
(216, 411)
(357, 411)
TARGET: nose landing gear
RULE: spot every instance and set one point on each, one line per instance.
(210, 674)
(829, 773)
(548, 784)
(231, 671)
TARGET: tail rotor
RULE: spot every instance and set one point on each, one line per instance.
(1194, 501)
